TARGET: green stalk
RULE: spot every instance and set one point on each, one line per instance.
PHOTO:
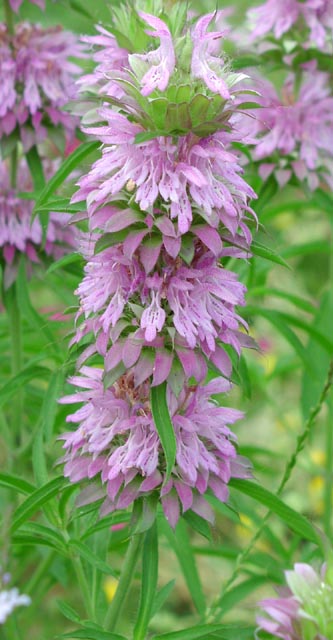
(15, 332)
(9, 16)
(39, 574)
(329, 471)
(84, 586)
(125, 579)
(214, 614)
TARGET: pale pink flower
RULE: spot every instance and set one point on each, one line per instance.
(204, 64)
(160, 62)
(19, 233)
(37, 80)
(297, 127)
(116, 440)
(304, 608)
(200, 172)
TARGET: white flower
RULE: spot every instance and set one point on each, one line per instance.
(9, 600)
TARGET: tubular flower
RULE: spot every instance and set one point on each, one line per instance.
(279, 16)
(37, 80)
(203, 173)
(288, 126)
(304, 609)
(195, 305)
(18, 233)
(117, 441)
(165, 202)
(109, 58)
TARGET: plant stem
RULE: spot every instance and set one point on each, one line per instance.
(9, 17)
(39, 573)
(84, 587)
(124, 582)
(14, 319)
(329, 471)
(215, 612)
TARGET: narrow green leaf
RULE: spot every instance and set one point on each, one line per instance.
(87, 554)
(192, 633)
(92, 634)
(41, 533)
(17, 382)
(36, 169)
(36, 501)
(275, 318)
(66, 169)
(294, 520)
(299, 302)
(18, 484)
(68, 612)
(268, 253)
(71, 258)
(161, 596)
(30, 314)
(239, 593)
(312, 385)
(148, 582)
(164, 426)
(198, 524)
(180, 542)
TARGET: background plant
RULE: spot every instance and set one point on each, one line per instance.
(55, 549)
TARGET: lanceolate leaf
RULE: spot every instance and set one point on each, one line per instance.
(294, 520)
(66, 169)
(180, 542)
(164, 426)
(18, 484)
(36, 501)
(200, 631)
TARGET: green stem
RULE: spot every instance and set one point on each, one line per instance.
(14, 319)
(126, 576)
(215, 612)
(38, 575)
(84, 587)
(9, 17)
(329, 472)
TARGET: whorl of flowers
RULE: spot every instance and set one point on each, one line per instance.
(37, 80)
(304, 609)
(166, 202)
(117, 440)
(18, 233)
(313, 17)
(296, 130)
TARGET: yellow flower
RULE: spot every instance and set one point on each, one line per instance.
(110, 587)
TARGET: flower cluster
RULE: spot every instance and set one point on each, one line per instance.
(37, 80)
(18, 233)
(304, 609)
(286, 142)
(167, 206)
(313, 17)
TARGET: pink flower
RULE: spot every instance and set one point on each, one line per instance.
(37, 80)
(18, 234)
(117, 441)
(304, 608)
(160, 62)
(109, 58)
(299, 128)
(204, 65)
(204, 172)
(275, 15)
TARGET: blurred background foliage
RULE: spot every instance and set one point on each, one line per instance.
(290, 309)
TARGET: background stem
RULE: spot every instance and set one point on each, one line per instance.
(126, 576)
